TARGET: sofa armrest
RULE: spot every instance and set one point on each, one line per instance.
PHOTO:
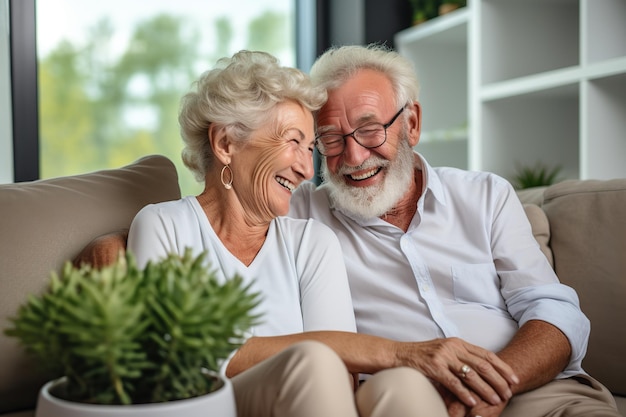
(533, 195)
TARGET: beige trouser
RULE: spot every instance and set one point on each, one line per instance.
(309, 380)
(580, 396)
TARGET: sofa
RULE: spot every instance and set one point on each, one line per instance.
(579, 225)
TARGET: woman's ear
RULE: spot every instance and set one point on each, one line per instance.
(415, 123)
(220, 143)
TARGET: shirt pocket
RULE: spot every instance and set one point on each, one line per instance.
(477, 283)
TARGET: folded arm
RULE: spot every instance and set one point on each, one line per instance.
(439, 359)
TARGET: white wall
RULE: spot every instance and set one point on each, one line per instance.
(6, 131)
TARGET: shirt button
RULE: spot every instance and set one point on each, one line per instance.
(425, 287)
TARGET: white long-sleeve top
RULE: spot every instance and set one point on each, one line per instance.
(468, 265)
(299, 270)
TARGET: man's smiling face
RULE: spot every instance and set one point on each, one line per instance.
(366, 182)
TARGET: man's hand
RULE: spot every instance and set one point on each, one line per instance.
(463, 369)
(538, 352)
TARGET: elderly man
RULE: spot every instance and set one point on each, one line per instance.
(440, 253)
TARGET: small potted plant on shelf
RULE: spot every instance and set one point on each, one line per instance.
(446, 6)
(136, 341)
(538, 175)
(423, 10)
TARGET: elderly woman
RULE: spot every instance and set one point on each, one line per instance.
(249, 134)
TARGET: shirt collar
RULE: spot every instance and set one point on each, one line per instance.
(431, 179)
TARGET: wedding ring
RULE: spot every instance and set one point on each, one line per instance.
(465, 370)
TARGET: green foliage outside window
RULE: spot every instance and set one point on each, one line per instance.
(103, 110)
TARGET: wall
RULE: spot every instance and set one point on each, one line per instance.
(347, 22)
(384, 18)
(367, 21)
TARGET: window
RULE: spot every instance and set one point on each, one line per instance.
(286, 28)
(111, 74)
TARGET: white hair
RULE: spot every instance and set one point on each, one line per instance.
(239, 94)
(338, 64)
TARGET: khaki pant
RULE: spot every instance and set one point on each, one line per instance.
(309, 380)
(580, 396)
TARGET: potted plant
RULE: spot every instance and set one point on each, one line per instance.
(538, 175)
(446, 6)
(423, 10)
(121, 335)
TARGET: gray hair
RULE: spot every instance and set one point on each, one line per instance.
(339, 63)
(239, 94)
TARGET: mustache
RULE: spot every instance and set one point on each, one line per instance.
(369, 163)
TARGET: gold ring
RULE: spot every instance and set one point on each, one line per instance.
(465, 370)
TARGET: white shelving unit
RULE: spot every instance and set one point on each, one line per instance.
(539, 81)
(438, 49)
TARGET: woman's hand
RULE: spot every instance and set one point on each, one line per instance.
(457, 409)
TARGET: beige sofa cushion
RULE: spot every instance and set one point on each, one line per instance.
(541, 229)
(588, 229)
(533, 195)
(43, 224)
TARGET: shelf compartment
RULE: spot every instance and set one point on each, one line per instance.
(540, 127)
(521, 38)
(605, 128)
(438, 50)
(604, 31)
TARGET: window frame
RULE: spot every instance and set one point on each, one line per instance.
(24, 90)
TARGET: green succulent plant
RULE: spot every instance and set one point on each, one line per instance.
(537, 175)
(125, 335)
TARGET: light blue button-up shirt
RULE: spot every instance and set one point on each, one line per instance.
(468, 266)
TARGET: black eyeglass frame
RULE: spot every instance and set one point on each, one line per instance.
(344, 137)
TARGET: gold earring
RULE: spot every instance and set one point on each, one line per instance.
(228, 185)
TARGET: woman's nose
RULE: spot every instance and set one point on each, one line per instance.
(304, 164)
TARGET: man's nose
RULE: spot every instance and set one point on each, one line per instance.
(353, 153)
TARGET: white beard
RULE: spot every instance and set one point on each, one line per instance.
(376, 200)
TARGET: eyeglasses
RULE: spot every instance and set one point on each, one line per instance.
(370, 136)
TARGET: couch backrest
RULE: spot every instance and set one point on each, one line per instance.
(45, 223)
(588, 241)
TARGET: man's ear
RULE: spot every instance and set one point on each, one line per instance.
(221, 144)
(415, 123)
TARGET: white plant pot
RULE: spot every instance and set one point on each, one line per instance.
(219, 403)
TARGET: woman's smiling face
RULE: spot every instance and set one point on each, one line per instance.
(275, 160)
